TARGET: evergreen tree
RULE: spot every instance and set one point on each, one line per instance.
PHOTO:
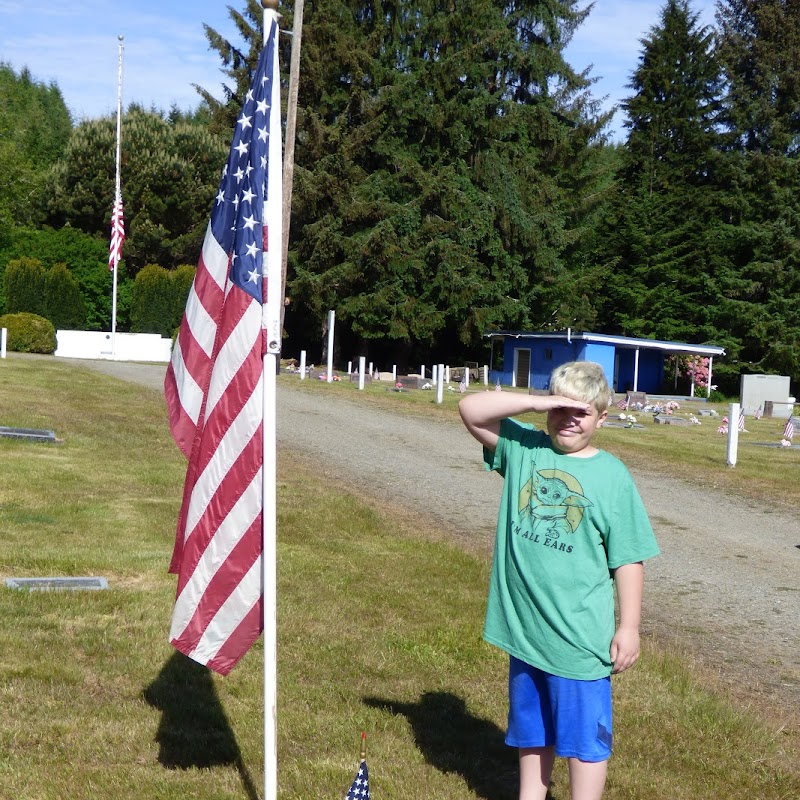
(152, 302)
(182, 279)
(87, 260)
(24, 286)
(441, 150)
(63, 302)
(170, 174)
(35, 126)
(759, 47)
(657, 230)
(759, 43)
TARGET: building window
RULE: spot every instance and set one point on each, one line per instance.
(548, 354)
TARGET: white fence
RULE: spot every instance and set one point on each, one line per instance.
(123, 346)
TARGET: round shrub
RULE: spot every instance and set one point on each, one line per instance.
(29, 333)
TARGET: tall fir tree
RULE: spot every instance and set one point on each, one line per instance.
(759, 45)
(442, 150)
(664, 207)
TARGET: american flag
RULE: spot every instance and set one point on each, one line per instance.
(359, 790)
(622, 404)
(788, 431)
(117, 233)
(741, 421)
(215, 390)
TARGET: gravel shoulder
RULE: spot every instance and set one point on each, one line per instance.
(725, 591)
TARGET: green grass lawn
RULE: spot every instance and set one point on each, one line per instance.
(379, 630)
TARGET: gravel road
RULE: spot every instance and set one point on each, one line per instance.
(726, 587)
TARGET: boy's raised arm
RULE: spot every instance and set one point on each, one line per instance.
(483, 412)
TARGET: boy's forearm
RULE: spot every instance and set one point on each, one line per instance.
(624, 649)
(485, 407)
(629, 579)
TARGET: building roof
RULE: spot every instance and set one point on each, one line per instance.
(618, 341)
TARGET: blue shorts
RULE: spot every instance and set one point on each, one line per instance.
(545, 710)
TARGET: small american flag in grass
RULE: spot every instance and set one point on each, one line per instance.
(359, 789)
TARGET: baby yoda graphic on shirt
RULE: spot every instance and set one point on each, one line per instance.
(554, 501)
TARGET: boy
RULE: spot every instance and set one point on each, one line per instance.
(571, 525)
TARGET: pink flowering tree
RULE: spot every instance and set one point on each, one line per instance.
(693, 367)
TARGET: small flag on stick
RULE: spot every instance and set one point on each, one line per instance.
(359, 790)
(788, 431)
(741, 422)
(117, 233)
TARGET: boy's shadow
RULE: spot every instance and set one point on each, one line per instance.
(194, 731)
(453, 740)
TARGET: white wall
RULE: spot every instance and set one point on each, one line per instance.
(126, 346)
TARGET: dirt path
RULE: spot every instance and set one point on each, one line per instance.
(726, 587)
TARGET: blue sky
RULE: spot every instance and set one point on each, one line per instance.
(165, 49)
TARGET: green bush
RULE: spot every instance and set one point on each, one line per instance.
(152, 301)
(29, 333)
(63, 299)
(24, 286)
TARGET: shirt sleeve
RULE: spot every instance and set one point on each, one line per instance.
(632, 538)
(511, 431)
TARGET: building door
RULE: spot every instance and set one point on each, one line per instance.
(522, 368)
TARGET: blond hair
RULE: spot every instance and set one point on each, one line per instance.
(582, 380)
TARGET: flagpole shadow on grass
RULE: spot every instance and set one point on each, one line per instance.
(194, 730)
(453, 740)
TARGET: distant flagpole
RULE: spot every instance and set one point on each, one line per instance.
(117, 224)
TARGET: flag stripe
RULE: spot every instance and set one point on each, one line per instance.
(214, 583)
(236, 449)
(228, 619)
(243, 514)
(214, 390)
(240, 640)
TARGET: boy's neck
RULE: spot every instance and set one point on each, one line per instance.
(587, 452)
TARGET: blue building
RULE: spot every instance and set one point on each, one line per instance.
(629, 364)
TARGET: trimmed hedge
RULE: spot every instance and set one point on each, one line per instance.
(29, 333)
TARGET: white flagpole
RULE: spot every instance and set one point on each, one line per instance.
(272, 323)
(118, 188)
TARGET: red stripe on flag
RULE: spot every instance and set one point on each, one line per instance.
(240, 641)
(219, 588)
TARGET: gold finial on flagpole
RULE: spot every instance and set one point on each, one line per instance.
(363, 746)
(270, 5)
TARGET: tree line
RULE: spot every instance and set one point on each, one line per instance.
(453, 175)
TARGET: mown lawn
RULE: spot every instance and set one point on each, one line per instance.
(379, 630)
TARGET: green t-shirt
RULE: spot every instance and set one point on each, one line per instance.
(564, 523)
